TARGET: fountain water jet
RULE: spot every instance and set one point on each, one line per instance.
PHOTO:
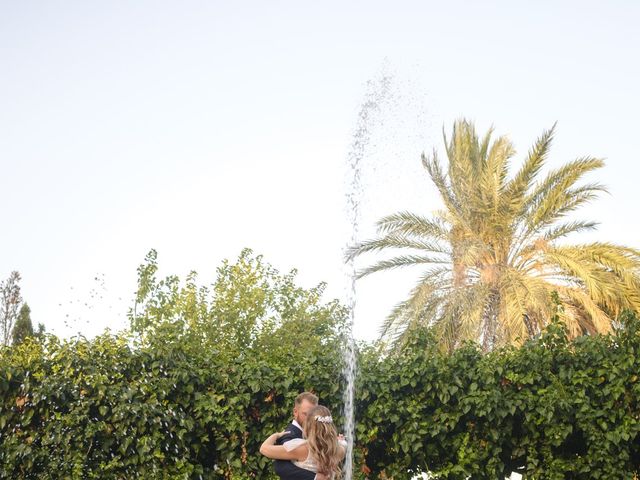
(377, 93)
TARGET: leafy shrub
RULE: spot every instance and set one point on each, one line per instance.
(193, 392)
(102, 409)
(207, 374)
(552, 409)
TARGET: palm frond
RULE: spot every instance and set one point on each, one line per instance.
(527, 299)
(586, 313)
(558, 203)
(618, 268)
(423, 301)
(486, 143)
(559, 181)
(517, 188)
(440, 180)
(395, 241)
(617, 257)
(568, 228)
(497, 169)
(399, 262)
(412, 224)
(460, 317)
(465, 166)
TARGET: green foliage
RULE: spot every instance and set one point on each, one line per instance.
(23, 327)
(192, 392)
(249, 306)
(552, 409)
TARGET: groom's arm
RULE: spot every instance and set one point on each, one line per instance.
(285, 469)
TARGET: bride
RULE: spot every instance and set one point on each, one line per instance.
(320, 451)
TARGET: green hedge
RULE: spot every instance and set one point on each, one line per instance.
(552, 409)
(102, 409)
(171, 407)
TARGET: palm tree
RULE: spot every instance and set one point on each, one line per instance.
(494, 256)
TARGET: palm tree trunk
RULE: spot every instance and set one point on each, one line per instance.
(490, 321)
(529, 325)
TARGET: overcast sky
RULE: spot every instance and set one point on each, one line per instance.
(200, 128)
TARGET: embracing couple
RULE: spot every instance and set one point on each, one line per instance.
(310, 447)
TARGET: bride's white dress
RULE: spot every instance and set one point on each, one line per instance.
(309, 463)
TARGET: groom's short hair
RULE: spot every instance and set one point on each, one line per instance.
(308, 396)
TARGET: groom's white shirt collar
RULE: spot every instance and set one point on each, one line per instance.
(294, 442)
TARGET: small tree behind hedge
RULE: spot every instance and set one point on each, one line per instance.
(23, 327)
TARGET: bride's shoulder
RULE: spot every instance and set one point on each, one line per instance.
(294, 443)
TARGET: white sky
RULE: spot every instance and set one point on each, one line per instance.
(200, 128)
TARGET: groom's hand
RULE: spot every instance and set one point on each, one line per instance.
(321, 476)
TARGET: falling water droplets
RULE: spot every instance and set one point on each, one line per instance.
(377, 93)
(388, 137)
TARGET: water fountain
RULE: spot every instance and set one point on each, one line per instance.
(377, 92)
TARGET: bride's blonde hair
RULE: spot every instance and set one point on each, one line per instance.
(322, 438)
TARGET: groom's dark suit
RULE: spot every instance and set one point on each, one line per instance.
(285, 469)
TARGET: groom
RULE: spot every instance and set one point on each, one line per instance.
(285, 469)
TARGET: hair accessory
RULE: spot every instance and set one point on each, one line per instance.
(326, 419)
